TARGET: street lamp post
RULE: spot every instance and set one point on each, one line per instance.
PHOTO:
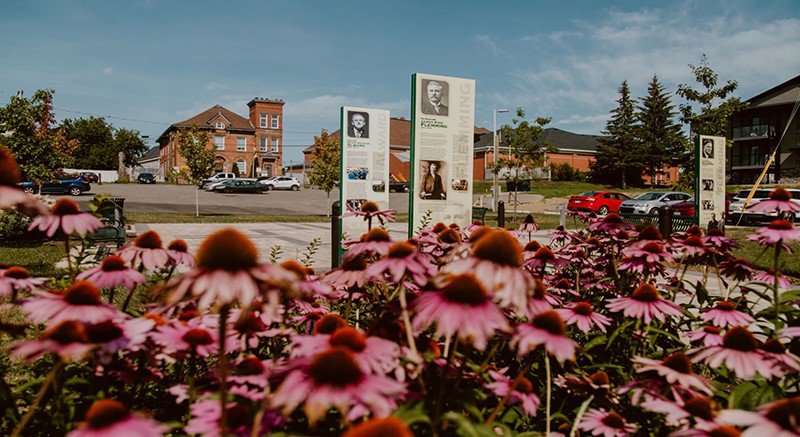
(495, 196)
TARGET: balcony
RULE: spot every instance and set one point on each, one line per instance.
(754, 132)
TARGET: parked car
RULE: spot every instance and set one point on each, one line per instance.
(146, 178)
(648, 203)
(240, 186)
(90, 176)
(63, 185)
(601, 202)
(736, 215)
(217, 177)
(283, 183)
(685, 208)
(399, 187)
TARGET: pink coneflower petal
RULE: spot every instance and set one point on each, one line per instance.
(520, 389)
(546, 329)
(676, 369)
(66, 217)
(780, 200)
(739, 353)
(403, 261)
(146, 251)
(67, 339)
(108, 417)
(724, 314)
(645, 303)
(582, 314)
(607, 424)
(778, 232)
(81, 302)
(779, 419)
(15, 278)
(112, 272)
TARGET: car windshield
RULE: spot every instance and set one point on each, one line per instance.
(649, 196)
(588, 193)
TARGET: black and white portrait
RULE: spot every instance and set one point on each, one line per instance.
(431, 186)
(434, 97)
(708, 148)
(357, 124)
(707, 184)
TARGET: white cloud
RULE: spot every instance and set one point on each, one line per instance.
(213, 86)
(108, 71)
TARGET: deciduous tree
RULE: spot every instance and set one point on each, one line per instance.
(326, 169)
(193, 147)
(99, 143)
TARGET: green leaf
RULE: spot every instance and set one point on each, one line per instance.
(702, 292)
(617, 332)
(412, 413)
(467, 428)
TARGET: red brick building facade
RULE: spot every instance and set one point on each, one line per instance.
(254, 144)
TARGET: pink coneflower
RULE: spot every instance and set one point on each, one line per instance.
(374, 354)
(461, 308)
(710, 431)
(81, 302)
(544, 257)
(352, 273)
(333, 378)
(609, 224)
(528, 226)
(129, 334)
(691, 246)
(10, 194)
(779, 200)
(146, 251)
(775, 419)
(739, 352)
(249, 370)
(583, 315)
(15, 279)
(109, 417)
(597, 384)
(369, 210)
(180, 339)
(676, 369)
(736, 268)
(205, 416)
(308, 285)
(546, 329)
(179, 252)
(649, 257)
(403, 261)
(645, 303)
(716, 239)
(607, 424)
(496, 258)
(724, 313)
(66, 217)
(709, 335)
(562, 237)
(521, 390)
(376, 242)
(388, 427)
(228, 272)
(67, 339)
(700, 408)
(778, 232)
(540, 300)
(777, 352)
(768, 276)
(112, 272)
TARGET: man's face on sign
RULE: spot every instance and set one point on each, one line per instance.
(434, 92)
(358, 121)
(708, 148)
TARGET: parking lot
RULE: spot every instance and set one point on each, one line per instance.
(181, 199)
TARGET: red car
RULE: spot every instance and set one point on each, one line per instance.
(684, 208)
(601, 202)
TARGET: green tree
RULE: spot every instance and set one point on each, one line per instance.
(661, 137)
(619, 155)
(325, 163)
(99, 143)
(27, 131)
(715, 108)
(526, 151)
(200, 158)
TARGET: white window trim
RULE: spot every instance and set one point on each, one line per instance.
(263, 120)
(220, 125)
(274, 145)
(241, 147)
(221, 145)
(275, 122)
(264, 145)
(242, 167)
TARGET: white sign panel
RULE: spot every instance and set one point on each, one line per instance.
(364, 139)
(443, 112)
(710, 184)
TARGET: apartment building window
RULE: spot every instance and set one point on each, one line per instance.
(241, 144)
(274, 144)
(262, 120)
(242, 166)
(263, 145)
(220, 125)
(219, 142)
(275, 121)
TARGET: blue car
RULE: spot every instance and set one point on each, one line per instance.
(68, 185)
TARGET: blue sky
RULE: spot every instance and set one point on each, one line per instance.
(146, 64)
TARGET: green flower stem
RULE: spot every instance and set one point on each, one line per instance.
(50, 380)
(579, 416)
(775, 284)
(549, 389)
(222, 370)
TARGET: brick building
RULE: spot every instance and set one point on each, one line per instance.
(254, 144)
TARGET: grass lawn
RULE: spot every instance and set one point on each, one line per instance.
(37, 257)
(158, 217)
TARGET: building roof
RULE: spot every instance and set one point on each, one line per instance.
(151, 155)
(783, 94)
(208, 118)
(564, 141)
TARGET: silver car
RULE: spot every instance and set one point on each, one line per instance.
(737, 216)
(648, 203)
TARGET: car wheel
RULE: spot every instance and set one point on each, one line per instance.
(295, 187)
(653, 211)
(29, 190)
(603, 210)
(227, 190)
(75, 191)
(259, 191)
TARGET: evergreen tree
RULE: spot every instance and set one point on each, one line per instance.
(620, 154)
(661, 137)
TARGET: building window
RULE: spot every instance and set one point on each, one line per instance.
(275, 121)
(241, 144)
(220, 125)
(263, 145)
(242, 166)
(219, 142)
(262, 120)
(274, 144)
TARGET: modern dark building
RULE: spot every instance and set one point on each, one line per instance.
(758, 130)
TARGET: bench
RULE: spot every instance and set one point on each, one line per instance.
(479, 213)
(113, 217)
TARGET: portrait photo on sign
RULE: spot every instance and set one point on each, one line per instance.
(707, 184)
(708, 148)
(355, 203)
(708, 205)
(378, 186)
(431, 186)
(434, 97)
(459, 184)
(357, 124)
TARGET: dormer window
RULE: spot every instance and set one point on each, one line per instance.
(220, 125)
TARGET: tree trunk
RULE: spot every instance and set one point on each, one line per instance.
(196, 202)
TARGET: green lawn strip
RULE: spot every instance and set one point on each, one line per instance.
(159, 217)
(35, 256)
(758, 258)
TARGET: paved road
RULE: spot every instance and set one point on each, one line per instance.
(181, 199)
